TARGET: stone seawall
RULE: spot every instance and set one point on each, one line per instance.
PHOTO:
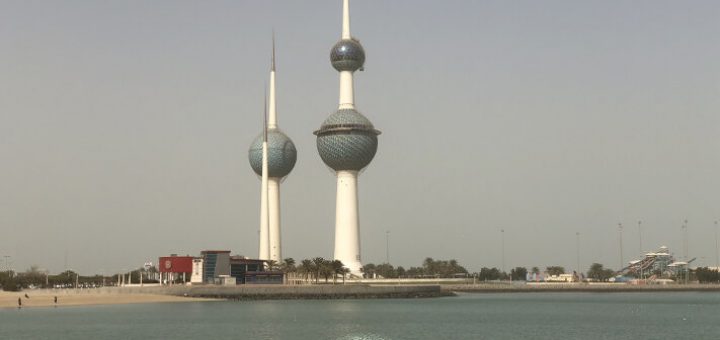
(289, 292)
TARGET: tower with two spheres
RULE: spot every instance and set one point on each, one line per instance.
(347, 142)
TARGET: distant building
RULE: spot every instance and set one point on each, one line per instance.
(174, 267)
(656, 262)
(249, 271)
(561, 278)
(217, 267)
(197, 270)
(214, 264)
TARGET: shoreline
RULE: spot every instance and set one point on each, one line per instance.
(169, 294)
(44, 298)
(576, 287)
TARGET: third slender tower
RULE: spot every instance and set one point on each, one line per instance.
(279, 159)
(347, 143)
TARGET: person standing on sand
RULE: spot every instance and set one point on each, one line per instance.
(19, 303)
(55, 300)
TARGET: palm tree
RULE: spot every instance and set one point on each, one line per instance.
(344, 271)
(337, 269)
(272, 265)
(318, 264)
(306, 268)
(327, 270)
(288, 266)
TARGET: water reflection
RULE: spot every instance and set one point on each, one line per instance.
(362, 337)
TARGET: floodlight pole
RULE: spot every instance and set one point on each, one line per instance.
(622, 262)
(717, 253)
(502, 248)
(577, 239)
(642, 257)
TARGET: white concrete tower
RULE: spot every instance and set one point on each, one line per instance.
(347, 143)
(280, 157)
(264, 217)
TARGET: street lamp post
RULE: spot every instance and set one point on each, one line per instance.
(502, 249)
(717, 253)
(387, 246)
(685, 239)
(685, 250)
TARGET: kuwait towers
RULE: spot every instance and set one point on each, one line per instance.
(273, 152)
(347, 142)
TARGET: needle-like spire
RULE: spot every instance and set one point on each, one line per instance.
(272, 118)
(272, 62)
(265, 117)
(346, 20)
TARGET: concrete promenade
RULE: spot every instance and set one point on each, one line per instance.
(507, 287)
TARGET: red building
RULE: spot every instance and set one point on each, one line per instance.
(173, 267)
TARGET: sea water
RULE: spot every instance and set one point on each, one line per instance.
(639, 315)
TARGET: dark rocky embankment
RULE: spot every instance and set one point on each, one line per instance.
(314, 292)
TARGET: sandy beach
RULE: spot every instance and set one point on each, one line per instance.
(84, 297)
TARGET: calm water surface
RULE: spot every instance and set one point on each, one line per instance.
(468, 316)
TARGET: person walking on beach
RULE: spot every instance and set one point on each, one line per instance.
(55, 300)
(19, 303)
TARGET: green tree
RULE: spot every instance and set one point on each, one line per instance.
(326, 270)
(555, 270)
(337, 269)
(429, 266)
(319, 267)
(599, 273)
(489, 274)
(368, 270)
(386, 270)
(344, 271)
(707, 275)
(306, 269)
(518, 274)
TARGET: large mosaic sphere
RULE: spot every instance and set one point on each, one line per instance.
(282, 154)
(347, 140)
(347, 55)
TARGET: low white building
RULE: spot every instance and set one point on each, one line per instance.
(561, 278)
(197, 270)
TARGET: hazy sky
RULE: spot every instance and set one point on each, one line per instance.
(124, 128)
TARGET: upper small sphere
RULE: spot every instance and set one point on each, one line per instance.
(282, 154)
(347, 55)
(347, 140)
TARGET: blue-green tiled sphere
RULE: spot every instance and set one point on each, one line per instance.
(347, 140)
(282, 154)
(347, 55)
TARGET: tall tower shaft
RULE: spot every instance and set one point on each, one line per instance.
(276, 159)
(347, 143)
